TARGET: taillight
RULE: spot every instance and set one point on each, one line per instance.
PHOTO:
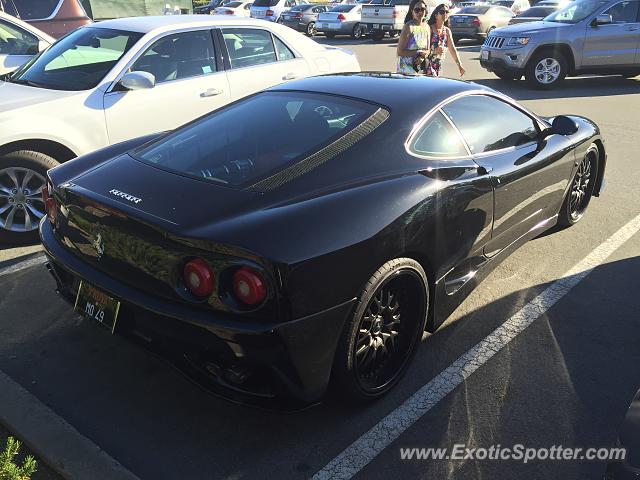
(297, 15)
(199, 278)
(270, 13)
(395, 14)
(475, 21)
(248, 286)
(50, 205)
(341, 17)
(228, 12)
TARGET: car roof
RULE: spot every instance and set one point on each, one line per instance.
(419, 93)
(171, 22)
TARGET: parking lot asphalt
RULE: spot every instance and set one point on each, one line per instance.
(566, 379)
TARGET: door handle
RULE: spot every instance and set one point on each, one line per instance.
(212, 92)
(291, 76)
(484, 170)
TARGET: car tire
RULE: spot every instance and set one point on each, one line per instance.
(22, 175)
(510, 76)
(311, 29)
(581, 188)
(377, 36)
(546, 69)
(358, 32)
(329, 35)
(379, 340)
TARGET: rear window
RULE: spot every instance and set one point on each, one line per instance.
(233, 4)
(342, 8)
(537, 12)
(474, 10)
(255, 138)
(265, 3)
(35, 9)
(381, 2)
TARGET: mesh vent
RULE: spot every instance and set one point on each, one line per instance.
(320, 157)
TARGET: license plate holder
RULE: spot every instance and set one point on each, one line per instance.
(485, 54)
(94, 303)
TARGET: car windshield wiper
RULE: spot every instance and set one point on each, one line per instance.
(29, 83)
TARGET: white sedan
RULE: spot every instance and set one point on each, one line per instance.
(120, 79)
(240, 9)
(19, 41)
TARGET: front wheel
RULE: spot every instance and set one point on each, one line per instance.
(311, 29)
(380, 339)
(577, 200)
(546, 70)
(22, 177)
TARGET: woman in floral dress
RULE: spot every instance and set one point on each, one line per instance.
(413, 45)
(441, 39)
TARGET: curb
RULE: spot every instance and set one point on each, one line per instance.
(52, 439)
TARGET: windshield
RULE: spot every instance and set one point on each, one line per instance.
(265, 3)
(78, 61)
(342, 8)
(537, 12)
(256, 137)
(575, 11)
(475, 10)
(233, 4)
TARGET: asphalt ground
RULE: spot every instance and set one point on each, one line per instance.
(566, 379)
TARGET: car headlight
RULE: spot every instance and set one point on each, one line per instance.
(518, 41)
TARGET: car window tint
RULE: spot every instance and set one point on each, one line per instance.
(488, 124)
(624, 12)
(177, 56)
(284, 53)
(437, 138)
(256, 137)
(248, 47)
(16, 41)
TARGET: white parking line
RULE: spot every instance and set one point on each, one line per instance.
(40, 259)
(355, 457)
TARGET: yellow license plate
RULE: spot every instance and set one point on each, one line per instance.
(94, 303)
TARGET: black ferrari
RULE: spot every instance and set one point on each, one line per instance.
(309, 234)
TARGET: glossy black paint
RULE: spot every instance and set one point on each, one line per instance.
(318, 238)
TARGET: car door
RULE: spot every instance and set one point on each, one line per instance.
(530, 173)
(614, 44)
(16, 46)
(189, 84)
(255, 59)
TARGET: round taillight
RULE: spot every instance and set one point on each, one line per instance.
(248, 286)
(199, 278)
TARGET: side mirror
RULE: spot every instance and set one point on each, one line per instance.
(601, 20)
(562, 125)
(138, 81)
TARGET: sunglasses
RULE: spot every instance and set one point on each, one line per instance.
(419, 9)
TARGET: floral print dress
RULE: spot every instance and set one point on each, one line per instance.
(435, 61)
(418, 40)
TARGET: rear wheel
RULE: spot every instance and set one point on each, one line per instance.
(357, 32)
(546, 70)
(22, 177)
(377, 35)
(311, 29)
(378, 342)
(578, 198)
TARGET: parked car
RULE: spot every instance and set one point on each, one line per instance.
(456, 7)
(476, 22)
(120, 79)
(533, 14)
(516, 6)
(586, 36)
(222, 247)
(54, 17)
(303, 18)
(272, 10)
(342, 20)
(209, 7)
(240, 9)
(19, 41)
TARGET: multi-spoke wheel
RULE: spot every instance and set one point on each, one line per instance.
(22, 178)
(546, 69)
(581, 190)
(379, 340)
(311, 29)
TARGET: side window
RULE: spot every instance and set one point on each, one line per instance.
(15, 41)
(182, 55)
(283, 51)
(248, 47)
(438, 138)
(624, 12)
(509, 127)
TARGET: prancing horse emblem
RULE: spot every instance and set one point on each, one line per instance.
(98, 244)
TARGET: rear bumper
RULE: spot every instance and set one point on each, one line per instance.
(282, 365)
(339, 28)
(467, 32)
(385, 27)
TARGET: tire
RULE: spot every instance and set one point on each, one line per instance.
(377, 36)
(546, 70)
(580, 191)
(311, 29)
(510, 76)
(329, 35)
(358, 32)
(394, 34)
(369, 363)
(21, 212)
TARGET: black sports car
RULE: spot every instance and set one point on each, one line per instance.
(312, 231)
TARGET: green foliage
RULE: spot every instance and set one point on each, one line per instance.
(9, 470)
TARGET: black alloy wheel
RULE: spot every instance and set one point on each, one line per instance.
(311, 29)
(581, 190)
(379, 341)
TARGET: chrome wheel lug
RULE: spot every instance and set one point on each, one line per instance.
(25, 192)
(14, 191)
(11, 200)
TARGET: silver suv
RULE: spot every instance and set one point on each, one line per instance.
(587, 36)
